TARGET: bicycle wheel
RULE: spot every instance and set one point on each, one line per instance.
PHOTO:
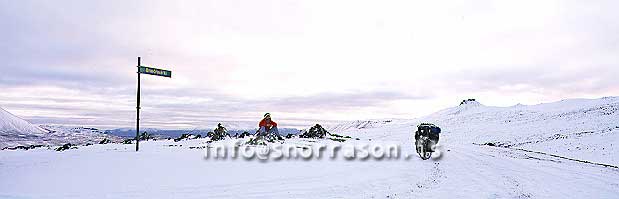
(422, 149)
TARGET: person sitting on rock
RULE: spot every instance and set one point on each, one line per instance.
(267, 126)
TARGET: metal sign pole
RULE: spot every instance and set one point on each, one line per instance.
(148, 71)
(137, 124)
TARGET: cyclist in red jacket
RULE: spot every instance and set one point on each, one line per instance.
(267, 126)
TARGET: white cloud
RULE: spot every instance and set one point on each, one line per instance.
(226, 53)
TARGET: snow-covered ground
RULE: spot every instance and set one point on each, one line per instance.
(580, 129)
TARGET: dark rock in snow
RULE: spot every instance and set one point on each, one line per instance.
(105, 141)
(145, 136)
(220, 133)
(183, 137)
(66, 146)
(489, 144)
(338, 136)
(244, 134)
(315, 131)
(467, 101)
(128, 141)
(263, 139)
(337, 139)
(23, 147)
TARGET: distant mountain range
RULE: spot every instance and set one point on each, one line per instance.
(129, 133)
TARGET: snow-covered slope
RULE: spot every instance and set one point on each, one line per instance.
(10, 123)
(77, 135)
(530, 162)
(15, 131)
(575, 127)
(357, 124)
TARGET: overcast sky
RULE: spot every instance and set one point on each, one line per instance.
(73, 62)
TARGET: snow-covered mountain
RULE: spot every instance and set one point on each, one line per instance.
(15, 131)
(523, 121)
(357, 124)
(11, 124)
(232, 130)
(579, 128)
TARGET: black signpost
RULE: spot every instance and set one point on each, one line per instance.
(148, 71)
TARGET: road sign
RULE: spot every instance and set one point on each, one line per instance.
(148, 71)
(155, 71)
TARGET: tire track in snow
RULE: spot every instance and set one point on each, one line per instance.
(553, 155)
(486, 172)
(541, 177)
(432, 180)
(567, 158)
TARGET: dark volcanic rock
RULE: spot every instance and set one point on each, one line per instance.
(220, 133)
(66, 146)
(315, 132)
(105, 141)
(244, 134)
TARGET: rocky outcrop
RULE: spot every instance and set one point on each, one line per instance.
(105, 141)
(146, 136)
(244, 134)
(220, 133)
(315, 132)
(23, 147)
(66, 146)
(467, 101)
(185, 136)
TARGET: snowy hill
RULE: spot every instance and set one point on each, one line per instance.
(358, 124)
(523, 151)
(15, 131)
(483, 123)
(11, 124)
(579, 128)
